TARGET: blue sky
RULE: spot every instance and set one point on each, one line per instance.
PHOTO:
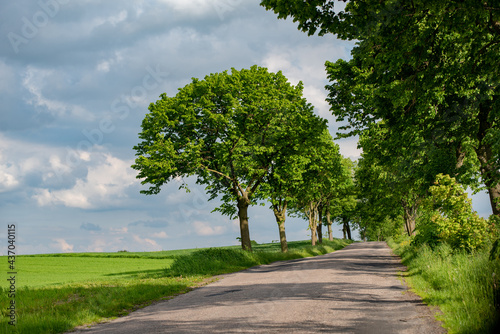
(76, 80)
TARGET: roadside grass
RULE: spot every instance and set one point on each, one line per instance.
(464, 286)
(225, 260)
(58, 292)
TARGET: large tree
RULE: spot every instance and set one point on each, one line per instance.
(227, 129)
(425, 66)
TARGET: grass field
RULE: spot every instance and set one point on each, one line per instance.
(57, 292)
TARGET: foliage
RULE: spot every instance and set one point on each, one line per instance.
(321, 179)
(428, 69)
(450, 218)
(341, 205)
(465, 286)
(285, 179)
(227, 130)
(495, 248)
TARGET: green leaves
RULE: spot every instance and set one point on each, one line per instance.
(231, 130)
(449, 217)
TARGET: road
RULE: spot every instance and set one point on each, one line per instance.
(354, 290)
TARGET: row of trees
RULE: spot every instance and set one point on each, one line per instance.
(248, 136)
(422, 92)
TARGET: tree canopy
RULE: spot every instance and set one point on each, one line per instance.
(426, 68)
(227, 129)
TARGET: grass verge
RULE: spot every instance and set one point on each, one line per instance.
(62, 302)
(464, 286)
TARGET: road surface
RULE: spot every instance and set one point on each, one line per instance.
(354, 290)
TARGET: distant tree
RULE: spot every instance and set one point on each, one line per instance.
(284, 179)
(320, 179)
(227, 129)
(342, 205)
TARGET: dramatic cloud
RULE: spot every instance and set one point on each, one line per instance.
(104, 186)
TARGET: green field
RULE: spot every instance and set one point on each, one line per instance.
(57, 292)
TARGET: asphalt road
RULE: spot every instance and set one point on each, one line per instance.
(354, 290)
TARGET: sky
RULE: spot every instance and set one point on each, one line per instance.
(77, 78)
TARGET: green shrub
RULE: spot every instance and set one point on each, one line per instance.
(212, 261)
(448, 217)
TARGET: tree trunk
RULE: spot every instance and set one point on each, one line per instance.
(280, 214)
(312, 222)
(320, 224)
(410, 216)
(346, 228)
(243, 203)
(329, 223)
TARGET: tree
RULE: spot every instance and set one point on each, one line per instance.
(284, 179)
(227, 130)
(319, 182)
(342, 205)
(423, 66)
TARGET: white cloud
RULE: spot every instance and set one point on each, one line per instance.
(100, 245)
(104, 186)
(36, 80)
(120, 230)
(306, 64)
(7, 181)
(105, 64)
(160, 235)
(8, 175)
(150, 245)
(204, 229)
(349, 147)
(192, 7)
(62, 246)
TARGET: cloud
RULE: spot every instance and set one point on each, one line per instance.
(7, 179)
(104, 186)
(120, 230)
(61, 245)
(192, 7)
(150, 245)
(160, 235)
(204, 229)
(36, 80)
(90, 227)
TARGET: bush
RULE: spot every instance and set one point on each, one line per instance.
(212, 261)
(448, 217)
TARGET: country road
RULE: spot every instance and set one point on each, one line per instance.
(354, 290)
